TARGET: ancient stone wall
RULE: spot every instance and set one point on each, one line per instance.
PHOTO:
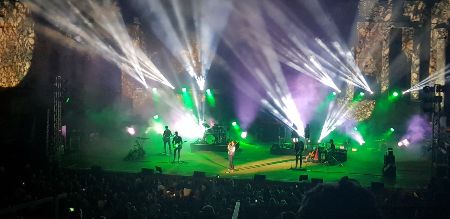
(16, 42)
(374, 34)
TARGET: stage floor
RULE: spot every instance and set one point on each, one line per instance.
(364, 165)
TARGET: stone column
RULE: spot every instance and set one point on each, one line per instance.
(385, 69)
(437, 52)
(412, 51)
(439, 34)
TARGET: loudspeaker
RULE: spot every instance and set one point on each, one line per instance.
(147, 171)
(259, 178)
(158, 169)
(199, 174)
(316, 181)
(302, 177)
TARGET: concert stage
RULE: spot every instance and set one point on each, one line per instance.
(364, 165)
(208, 147)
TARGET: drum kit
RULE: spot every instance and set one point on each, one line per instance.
(214, 135)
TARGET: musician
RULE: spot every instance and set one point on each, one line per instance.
(332, 146)
(299, 147)
(231, 151)
(177, 142)
(166, 139)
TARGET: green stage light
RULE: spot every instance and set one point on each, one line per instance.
(361, 94)
(334, 93)
(183, 89)
(208, 91)
(234, 123)
(154, 89)
(355, 128)
(395, 94)
(155, 117)
(392, 129)
(244, 135)
(67, 99)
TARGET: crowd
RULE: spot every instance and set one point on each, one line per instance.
(99, 194)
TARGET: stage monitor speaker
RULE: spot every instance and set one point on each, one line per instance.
(147, 171)
(377, 186)
(199, 174)
(303, 178)
(158, 169)
(259, 178)
(316, 181)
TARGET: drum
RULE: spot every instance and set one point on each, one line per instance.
(210, 139)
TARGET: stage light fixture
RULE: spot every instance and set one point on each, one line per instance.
(395, 94)
(355, 128)
(244, 135)
(208, 91)
(334, 93)
(234, 123)
(154, 89)
(131, 130)
(361, 94)
(184, 89)
(155, 117)
(392, 129)
(159, 128)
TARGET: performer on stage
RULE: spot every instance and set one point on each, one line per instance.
(177, 142)
(166, 139)
(299, 146)
(332, 146)
(231, 151)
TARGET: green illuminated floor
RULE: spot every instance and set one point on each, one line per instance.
(363, 165)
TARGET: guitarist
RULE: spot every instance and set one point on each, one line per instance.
(299, 146)
(177, 142)
(166, 139)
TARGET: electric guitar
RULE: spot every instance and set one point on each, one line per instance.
(179, 145)
(167, 137)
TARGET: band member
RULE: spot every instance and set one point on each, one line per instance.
(332, 146)
(166, 139)
(177, 142)
(294, 134)
(299, 147)
(231, 151)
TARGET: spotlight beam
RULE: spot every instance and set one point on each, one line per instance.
(430, 80)
(335, 117)
(253, 47)
(209, 18)
(98, 28)
(293, 45)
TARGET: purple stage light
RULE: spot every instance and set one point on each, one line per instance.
(308, 94)
(418, 129)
